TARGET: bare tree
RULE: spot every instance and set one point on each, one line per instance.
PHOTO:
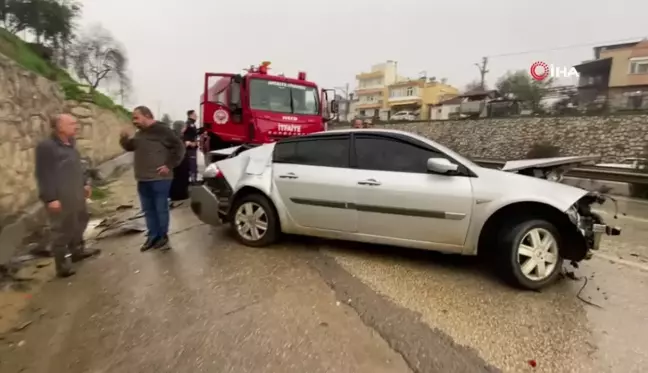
(97, 57)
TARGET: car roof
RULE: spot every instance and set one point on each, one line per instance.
(364, 130)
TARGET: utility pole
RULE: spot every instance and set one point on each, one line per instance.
(345, 91)
(482, 72)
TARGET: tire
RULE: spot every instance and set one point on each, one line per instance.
(512, 256)
(255, 201)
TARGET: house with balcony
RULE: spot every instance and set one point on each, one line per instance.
(617, 78)
(371, 91)
(418, 96)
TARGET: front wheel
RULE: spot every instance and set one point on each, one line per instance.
(254, 221)
(529, 254)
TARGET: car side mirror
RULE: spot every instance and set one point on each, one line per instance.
(334, 107)
(441, 166)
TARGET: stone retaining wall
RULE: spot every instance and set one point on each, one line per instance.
(26, 102)
(612, 137)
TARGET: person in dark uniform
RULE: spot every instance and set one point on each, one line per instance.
(190, 138)
(63, 188)
(180, 184)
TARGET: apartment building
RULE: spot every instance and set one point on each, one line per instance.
(617, 77)
(418, 95)
(372, 91)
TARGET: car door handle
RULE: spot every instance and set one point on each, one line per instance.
(289, 175)
(372, 182)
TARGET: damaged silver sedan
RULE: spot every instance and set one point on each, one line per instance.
(397, 188)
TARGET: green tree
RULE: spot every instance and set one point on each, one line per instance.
(520, 85)
(52, 22)
(60, 24)
(97, 57)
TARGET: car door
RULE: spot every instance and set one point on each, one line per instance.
(397, 197)
(313, 179)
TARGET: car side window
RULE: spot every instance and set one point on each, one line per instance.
(325, 152)
(383, 154)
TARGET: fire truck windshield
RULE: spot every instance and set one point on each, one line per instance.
(280, 97)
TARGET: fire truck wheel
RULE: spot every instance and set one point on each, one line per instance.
(254, 220)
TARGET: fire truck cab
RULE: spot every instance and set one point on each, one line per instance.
(258, 108)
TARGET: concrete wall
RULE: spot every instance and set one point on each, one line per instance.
(612, 137)
(26, 101)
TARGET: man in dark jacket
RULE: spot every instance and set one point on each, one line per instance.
(157, 151)
(63, 187)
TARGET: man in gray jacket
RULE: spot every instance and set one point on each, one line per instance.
(63, 187)
(157, 151)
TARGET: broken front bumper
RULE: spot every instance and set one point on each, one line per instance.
(205, 205)
(598, 230)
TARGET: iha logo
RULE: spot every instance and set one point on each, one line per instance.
(540, 71)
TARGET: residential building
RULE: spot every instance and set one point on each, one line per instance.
(446, 109)
(418, 95)
(371, 93)
(472, 104)
(617, 77)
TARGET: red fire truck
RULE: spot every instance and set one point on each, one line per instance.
(258, 108)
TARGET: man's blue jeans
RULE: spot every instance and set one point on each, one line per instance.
(154, 197)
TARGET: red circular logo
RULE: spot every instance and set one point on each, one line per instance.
(539, 70)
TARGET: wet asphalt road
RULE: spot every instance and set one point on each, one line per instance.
(309, 305)
(211, 305)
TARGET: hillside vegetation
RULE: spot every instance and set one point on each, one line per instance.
(27, 56)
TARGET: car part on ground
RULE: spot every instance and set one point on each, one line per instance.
(526, 225)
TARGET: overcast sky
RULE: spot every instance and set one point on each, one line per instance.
(172, 43)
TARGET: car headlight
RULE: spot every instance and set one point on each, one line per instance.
(211, 171)
(555, 176)
(573, 215)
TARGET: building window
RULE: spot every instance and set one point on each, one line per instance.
(639, 65)
(410, 91)
(636, 100)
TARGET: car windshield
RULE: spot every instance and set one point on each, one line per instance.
(280, 97)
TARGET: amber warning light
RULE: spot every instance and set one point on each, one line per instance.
(263, 69)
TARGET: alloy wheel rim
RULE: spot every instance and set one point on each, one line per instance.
(251, 221)
(537, 254)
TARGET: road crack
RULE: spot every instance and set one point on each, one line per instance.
(425, 350)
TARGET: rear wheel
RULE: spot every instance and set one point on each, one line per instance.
(529, 254)
(254, 221)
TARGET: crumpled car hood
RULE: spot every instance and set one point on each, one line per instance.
(494, 184)
(251, 162)
(522, 164)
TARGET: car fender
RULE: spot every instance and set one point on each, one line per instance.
(513, 189)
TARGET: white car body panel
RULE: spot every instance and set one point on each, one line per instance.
(443, 213)
(226, 151)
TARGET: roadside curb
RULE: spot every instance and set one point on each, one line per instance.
(13, 235)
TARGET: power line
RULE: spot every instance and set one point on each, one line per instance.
(618, 41)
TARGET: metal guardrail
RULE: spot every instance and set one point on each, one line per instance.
(621, 175)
